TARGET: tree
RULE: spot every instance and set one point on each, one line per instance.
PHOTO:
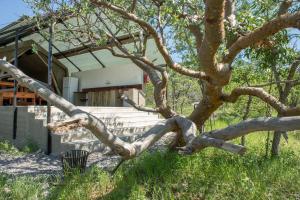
(283, 62)
(213, 35)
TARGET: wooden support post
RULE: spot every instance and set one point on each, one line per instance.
(1, 100)
(49, 140)
(15, 109)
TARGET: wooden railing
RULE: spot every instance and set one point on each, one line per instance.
(22, 95)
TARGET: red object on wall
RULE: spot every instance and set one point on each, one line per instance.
(146, 78)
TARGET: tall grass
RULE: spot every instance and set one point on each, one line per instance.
(20, 188)
(209, 174)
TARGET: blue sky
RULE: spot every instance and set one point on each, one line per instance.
(11, 10)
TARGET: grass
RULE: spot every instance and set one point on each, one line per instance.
(7, 147)
(22, 188)
(210, 174)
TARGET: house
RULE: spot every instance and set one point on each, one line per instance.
(86, 75)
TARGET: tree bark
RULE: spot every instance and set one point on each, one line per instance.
(283, 95)
(177, 123)
(276, 143)
(246, 114)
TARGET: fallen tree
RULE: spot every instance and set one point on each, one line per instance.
(211, 24)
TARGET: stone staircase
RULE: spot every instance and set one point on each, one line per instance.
(126, 122)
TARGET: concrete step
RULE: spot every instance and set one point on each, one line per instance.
(129, 130)
(125, 122)
(78, 134)
(116, 118)
(91, 145)
(133, 123)
(61, 116)
(86, 144)
(55, 110)
(82, 133)
(117, 122)
(120, 121)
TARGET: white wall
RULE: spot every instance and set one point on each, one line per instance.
(110, 76)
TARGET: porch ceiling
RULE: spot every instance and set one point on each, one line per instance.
(80, 57)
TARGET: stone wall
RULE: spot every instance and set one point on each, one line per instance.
(29, 129)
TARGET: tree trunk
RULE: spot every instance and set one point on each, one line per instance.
(246, 114)
(275, 143)
(277, 134)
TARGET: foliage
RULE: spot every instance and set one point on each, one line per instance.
(30, 147)
(91, 185)
(211, 174)
(7, 147)
(22, 188)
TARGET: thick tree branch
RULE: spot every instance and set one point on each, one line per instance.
(158, 40)
(203, 141)
(290, 82)
(160, 90)
(291, 74)
(187, 127)
(96, 126)
(71, 123)
(217, 138)
(258, 124)
(264, 96)
(195, 30)
(230, 12)
(138, 107)
(277, 78)
(129, 150)
(133, 6)
(188, 130)
(213, 35)
(268, 29)
(284, 7)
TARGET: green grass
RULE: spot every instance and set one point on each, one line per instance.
(30, 147)
(22, 188)
(7, 147)
(210, 174)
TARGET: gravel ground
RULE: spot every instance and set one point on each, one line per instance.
(40, 164)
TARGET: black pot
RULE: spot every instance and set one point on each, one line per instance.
(74, 160)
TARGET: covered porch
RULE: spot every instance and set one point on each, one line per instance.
(83, 74)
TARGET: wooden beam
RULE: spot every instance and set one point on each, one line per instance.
(87, 48)
(5, 83)
(124, 87)
(7, 90)
(19, 95)
(3, 76)
(53, 76)
(1, 100)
